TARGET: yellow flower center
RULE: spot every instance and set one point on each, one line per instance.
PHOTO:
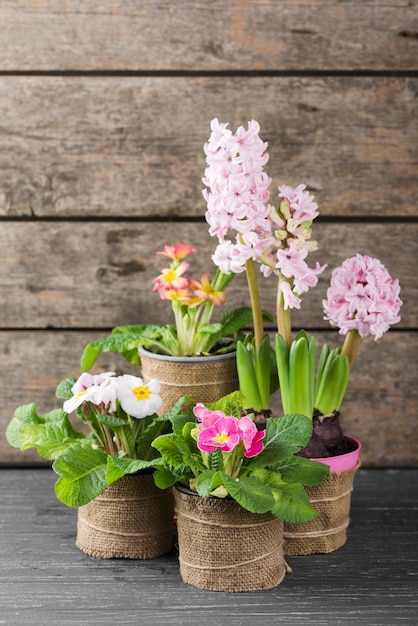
(142, 392)
(170, 275)
(221, 438)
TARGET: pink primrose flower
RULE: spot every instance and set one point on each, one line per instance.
(206, 416)
(177, 252)
(251, 437)
(225, 434)
(362, 296)
(172, 278)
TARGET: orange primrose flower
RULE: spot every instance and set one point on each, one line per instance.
(172, 278)
(204, 291)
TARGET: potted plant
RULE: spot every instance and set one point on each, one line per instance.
(195, 356)
(234, 484)
(105, 466)
(362, 299)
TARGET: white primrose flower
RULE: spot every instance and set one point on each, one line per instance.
(87, 395)
(138, 399)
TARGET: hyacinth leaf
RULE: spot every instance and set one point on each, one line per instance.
(300, 378)
(250, 492)
(333, 383)
(82, 471)
(282, 360)
(262, 372)
(247, 376)
(323, 357)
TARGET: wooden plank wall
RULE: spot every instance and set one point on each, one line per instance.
(104, 109)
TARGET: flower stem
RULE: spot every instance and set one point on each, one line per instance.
(351, 345)
(284, 326)
(255, 303)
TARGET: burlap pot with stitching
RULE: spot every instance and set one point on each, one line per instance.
(328, 531)
(131, 519)
(205, 378)
(223, 547)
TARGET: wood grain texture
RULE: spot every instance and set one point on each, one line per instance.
(133, 146)
(99, 274)
(379, 407)
(46, 580)
(197, 35)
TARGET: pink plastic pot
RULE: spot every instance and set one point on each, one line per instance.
(343, 462)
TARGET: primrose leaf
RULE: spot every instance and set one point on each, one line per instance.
(284, 436)
(64, 389)
(306, 471)
(118, 467)
(291, 500)
(50, 434)
(167, 445)
(164, 479)
(82, 471)
(250, 492)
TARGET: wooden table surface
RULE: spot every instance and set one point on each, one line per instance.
(45, 579)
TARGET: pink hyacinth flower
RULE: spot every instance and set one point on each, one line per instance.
(362, 296)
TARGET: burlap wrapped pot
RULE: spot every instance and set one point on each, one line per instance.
(131, 519)
(223, 547)
(205, 378)
(328, 531)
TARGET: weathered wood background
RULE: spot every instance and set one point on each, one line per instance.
(104, 109)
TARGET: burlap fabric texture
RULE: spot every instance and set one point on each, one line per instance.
(206, 379)
(328, 531)
(223, 547)
(131, 519)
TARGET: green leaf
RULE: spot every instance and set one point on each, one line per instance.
(262, 371)
(124, 340)
(215, 459)
(234, 320)
(247, 375)
(300, 378)
(82, 471)
(51, 434)
(252, 494)
(164, 479)
(64, 389)
(118, 467)
(167, 445)
(110, 420)
(284, 437)
(282, 361)
(303, 470)
(207, 482)
(291, 500)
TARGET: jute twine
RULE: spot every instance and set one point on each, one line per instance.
(328, 531)
(223, 547)
(132, 519)
(206, 381)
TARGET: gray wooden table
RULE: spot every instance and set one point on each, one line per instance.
(45, 579)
